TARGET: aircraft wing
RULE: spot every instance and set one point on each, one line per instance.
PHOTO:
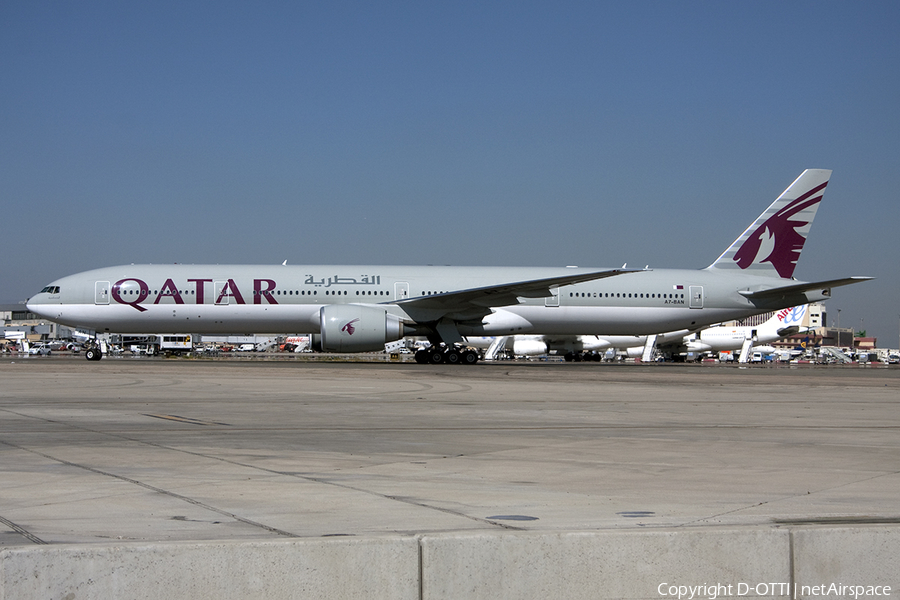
(799, 288)
(504, 294)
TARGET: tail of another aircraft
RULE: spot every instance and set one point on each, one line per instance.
(772, 244)
(786, 321)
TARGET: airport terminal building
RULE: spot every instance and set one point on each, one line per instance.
(18, 322)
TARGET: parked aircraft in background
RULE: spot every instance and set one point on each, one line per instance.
(783, 323)
(360, 308)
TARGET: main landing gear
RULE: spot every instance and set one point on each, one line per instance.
(454, 355)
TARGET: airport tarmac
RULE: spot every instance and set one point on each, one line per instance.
(156, 450)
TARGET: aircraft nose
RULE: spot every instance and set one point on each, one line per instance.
(35, 306)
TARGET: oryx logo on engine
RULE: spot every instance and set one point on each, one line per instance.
(349, 328)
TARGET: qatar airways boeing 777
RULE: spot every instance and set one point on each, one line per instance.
(360, 308)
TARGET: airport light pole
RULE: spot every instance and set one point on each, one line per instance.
(839, 329)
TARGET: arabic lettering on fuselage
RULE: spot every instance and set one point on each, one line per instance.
(363, 280)
(134, 291)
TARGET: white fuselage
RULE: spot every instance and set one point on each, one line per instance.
(287, 299)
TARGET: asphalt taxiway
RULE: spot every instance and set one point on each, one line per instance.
(160, 451)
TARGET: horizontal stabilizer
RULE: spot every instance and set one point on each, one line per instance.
(786, 331)
(788, 290)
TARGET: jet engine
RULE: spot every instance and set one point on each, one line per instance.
(634, 352)
(529, 347)
(696, 346)
(356, 328)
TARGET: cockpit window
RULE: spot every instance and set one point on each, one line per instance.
(50, 289)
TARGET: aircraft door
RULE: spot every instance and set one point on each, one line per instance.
(222, 295)
(101, 292)
(401, 290)
(554, 299)
(696, 296)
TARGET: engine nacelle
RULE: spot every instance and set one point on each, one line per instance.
(529, 347)
(357, 328)
(696, 346)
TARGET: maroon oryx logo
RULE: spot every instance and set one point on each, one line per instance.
(777, 241)
(349, 328)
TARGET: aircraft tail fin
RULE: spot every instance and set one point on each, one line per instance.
(787, 321)
(772, 244)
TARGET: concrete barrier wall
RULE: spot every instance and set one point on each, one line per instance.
(851, 556)
(600, 565)
(754, 562)
(338, 568)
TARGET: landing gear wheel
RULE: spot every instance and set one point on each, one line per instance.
(93, 354)
(452, 357)
(436, 357)
(422, 357)
(469, 357)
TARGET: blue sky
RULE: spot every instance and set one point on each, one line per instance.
(466, 133)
